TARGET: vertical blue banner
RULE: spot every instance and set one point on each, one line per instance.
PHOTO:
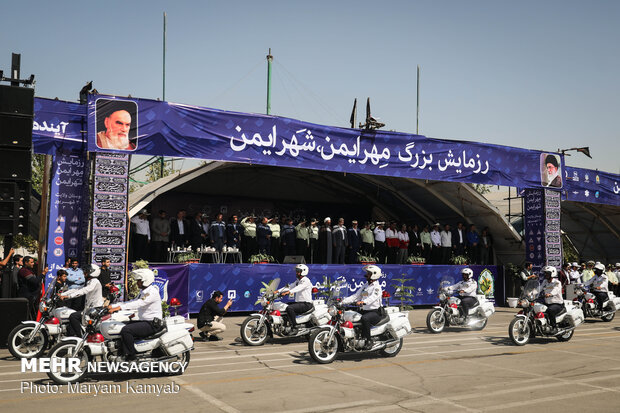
(534, 232)
(66, 200)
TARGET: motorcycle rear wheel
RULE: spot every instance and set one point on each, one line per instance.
(392, 350)
(249, 333)
(480, 326)
(609, 317)
(66, 350)
(321, 351)
(18, 346)
(519, 331)
(435, 321)
(566, 336)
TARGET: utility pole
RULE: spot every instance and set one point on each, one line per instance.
(269, 61)
(163, 92)
(417, 114)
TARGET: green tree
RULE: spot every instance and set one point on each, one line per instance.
(38, 164)
(153, 173)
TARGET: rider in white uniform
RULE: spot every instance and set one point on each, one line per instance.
(369, 296)
(94, 298)
(600, 285)
(467, 290)
(302, 289)
(552, 291)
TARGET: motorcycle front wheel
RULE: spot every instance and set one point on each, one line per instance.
(436, 321)
(392, 350)
(21, 347)
(519, 331)
(320, 350)
(66, 350)
(251, 334)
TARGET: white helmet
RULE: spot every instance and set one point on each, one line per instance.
(94, 271)
(550, 270)
(600, 267)
(373, 271)
(145, 275)
(301, 269)
(467, 272)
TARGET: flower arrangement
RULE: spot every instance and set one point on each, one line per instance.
(416, 260)
(459, 260)
(366, 259)
(261, 259)
(188, 257)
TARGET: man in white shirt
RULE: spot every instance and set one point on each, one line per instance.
(446, 245)
(436, 241)
(370, 297)
(94, 298)
(302, 289)
(148, 304)
(141, 236)
(380, 242)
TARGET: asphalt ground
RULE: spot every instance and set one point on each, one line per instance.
(457, 370)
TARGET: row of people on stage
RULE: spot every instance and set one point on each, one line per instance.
(324, 242)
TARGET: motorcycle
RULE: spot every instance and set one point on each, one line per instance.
(587, 302)
(272, 319)
(172, 342)
(343, 334)
(449, 312)
(532, 320)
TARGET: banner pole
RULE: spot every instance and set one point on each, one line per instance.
(43, 221)
(417, 114)
(269, 60)
(163, 91)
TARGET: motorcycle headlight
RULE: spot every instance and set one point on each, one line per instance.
(42, 306)
(442, 296)
(524, 303)
(264, 301)
(332, 311)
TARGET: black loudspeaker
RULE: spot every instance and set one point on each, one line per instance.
(16, 164)
(15, 131)
(14, 207)
(294, 259)
(16, 100)
(12, 312)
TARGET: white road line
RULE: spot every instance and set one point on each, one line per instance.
(207, 397)
(331, 407)
(414, 393)
(529, 400)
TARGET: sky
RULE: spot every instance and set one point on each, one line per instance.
(532, 74)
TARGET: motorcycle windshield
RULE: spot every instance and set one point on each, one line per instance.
(50, 289)
(446, 282)
(337, 290)
(272, 286)
(531, 290)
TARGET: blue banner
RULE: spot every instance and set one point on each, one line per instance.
(151, 127)
(65, 216)
(586, 185)
(242, 282)
(534, 231)
(58, 125)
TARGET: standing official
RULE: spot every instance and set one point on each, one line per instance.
(263, 237)
(368, 239)
(217, 233)
(313, 239)
(142, 236)
(301, 238)
(198, 236)
(339, 237)
(160, 237)
(391, 239)
(249, 243)
(354, 242)
(446, 245)
(436, 241)
(325, 241)
(179, 230)
(379, 233)
(274, 226)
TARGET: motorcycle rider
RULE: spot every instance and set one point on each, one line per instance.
(92, 291)
(369, 296)
(600, 285)
(552, 292)
(302, 288)
(148, 304)
(467, 290)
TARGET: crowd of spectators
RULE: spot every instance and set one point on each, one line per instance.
(575, 273)
(323, 242)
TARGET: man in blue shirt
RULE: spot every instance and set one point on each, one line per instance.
(473, 244)
(75, 280)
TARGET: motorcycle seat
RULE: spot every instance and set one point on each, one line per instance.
(310, 311)
(384, 320)
(561, 312)
(157, 334)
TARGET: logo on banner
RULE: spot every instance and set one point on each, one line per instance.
(246, 294)
(598, 179)
(58, 252)
(58, 240)
(575, 176)
(586, 178)
(200, 295)
(430, 291)
(232, 294)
